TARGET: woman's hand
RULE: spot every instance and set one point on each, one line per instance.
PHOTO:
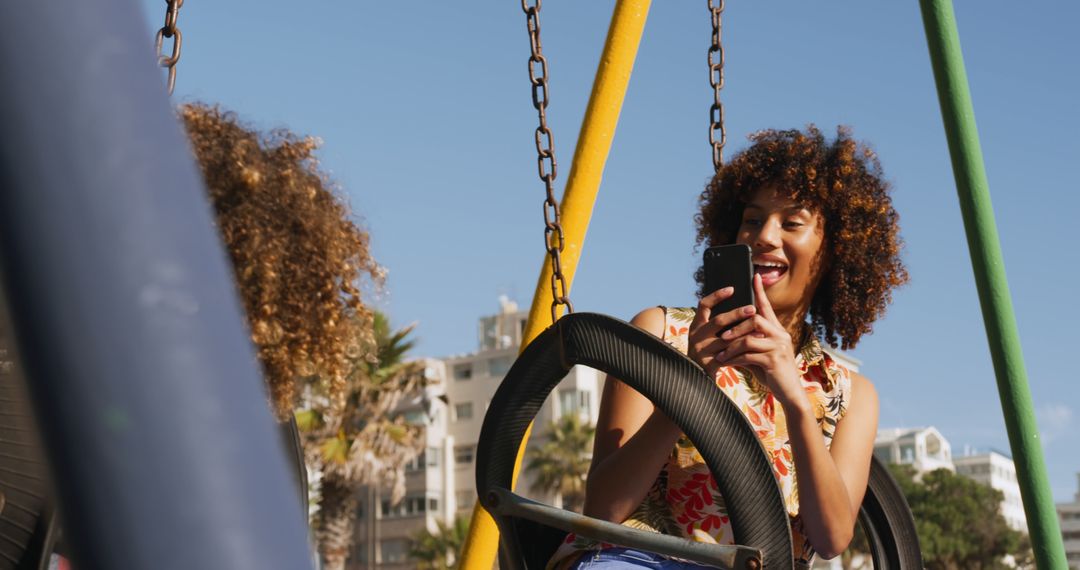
(761, 343)
(703, 341)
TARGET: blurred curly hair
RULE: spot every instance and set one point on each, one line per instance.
(843, 181)
(297, 257)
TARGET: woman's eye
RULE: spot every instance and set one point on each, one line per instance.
(793, 225)
(751, 222)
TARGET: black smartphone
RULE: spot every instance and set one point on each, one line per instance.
(730, 266)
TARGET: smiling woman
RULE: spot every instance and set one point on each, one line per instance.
(825, 245)
(834, 190)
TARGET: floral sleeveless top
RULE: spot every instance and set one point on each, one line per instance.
(684, 500)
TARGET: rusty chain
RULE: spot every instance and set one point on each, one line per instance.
(716, 79)
(170, 30)
(554, 240)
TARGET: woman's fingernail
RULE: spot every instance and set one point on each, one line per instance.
(727, 290)
(726, 334)
(748, 310)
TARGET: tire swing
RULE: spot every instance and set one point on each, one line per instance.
(530, 532)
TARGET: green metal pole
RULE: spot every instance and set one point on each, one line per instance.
(973, 190)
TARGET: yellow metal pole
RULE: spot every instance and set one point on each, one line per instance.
(594, 143)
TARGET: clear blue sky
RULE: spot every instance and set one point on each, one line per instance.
(425, 112)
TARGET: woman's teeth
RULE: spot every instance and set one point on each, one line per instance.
(769, 272)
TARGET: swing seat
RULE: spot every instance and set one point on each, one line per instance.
(530, 531)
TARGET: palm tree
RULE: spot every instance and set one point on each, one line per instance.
(355, 438)
(438, 550)
(561, 464)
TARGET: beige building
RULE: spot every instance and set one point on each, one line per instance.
(441, 484)
(923, 448)
(1069, 516)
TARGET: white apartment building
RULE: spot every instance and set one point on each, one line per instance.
(998, 471)
(441, 484)
(923, 448)
(1069, 517)
(388, 527)
(926, 449)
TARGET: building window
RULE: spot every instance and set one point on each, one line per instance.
(463, 454)
(432, 456)
(416, 417)
(499, 365)
(567, 402)
(432, 504)
(416, 463)
(463, 371)
(463, 411)
(574, 401)
(393, 550)
(408, 507)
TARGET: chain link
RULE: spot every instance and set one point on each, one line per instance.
(554, 241)
(716, 79)
(170, 30)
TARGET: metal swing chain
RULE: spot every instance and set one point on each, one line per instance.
(170, 30)
(716, 79)
(545, 151)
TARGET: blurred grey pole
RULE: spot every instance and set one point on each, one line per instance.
(153, 412)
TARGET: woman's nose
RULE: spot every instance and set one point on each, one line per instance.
(768, 236)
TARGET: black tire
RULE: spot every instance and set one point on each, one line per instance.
(886, 519)
(27, 521)
(678, 387)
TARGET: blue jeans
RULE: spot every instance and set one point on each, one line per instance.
(619, 558)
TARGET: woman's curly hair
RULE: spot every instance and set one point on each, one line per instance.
(296, 255)
(842, 180)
